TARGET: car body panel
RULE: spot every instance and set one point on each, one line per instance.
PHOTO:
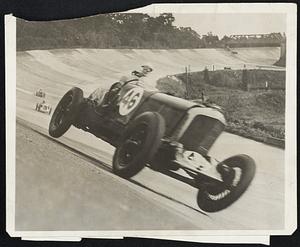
(194, 125)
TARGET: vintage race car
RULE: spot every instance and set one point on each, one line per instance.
(161, 131)
(40, 93)
(43, 107)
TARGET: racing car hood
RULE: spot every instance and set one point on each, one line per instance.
(184, 105)
(174, 102)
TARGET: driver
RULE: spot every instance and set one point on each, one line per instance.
(112, 94)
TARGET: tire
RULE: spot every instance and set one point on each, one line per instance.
(139, 144)
(65, 112)
(215, 197)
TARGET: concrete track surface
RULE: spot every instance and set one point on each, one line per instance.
(67, 184)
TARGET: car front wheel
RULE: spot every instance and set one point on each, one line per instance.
(139, 144)
(65, 112)
(237, 173)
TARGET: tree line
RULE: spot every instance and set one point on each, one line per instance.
(116, 30)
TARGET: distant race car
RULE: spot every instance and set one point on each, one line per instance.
(43, 107)
(162, 131)
(40, 93)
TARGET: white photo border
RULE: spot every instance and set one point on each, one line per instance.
(291, 142)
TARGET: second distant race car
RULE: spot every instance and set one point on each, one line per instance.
(43, 107)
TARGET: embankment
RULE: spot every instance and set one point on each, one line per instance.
(257, 113)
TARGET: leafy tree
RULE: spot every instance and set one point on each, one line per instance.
(117, 30)
(210, 40)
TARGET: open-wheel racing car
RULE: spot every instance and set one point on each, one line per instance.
(162, 131)
(43, 107)
(40, 93)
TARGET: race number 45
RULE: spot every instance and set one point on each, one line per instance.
(130, 100)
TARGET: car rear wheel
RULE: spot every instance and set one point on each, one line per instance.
(139, 144)
(65, 112)
(237, 173)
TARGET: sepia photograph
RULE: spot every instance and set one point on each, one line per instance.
(153, 122)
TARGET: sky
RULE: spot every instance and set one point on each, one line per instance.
(218, 19)
(234, 23)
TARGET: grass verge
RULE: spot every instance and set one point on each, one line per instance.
(256, 113)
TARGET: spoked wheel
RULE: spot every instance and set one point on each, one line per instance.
(237, 173)
(65, 112)
(139, 144)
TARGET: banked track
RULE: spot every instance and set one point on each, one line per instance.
(56, 71)
(86, 67)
